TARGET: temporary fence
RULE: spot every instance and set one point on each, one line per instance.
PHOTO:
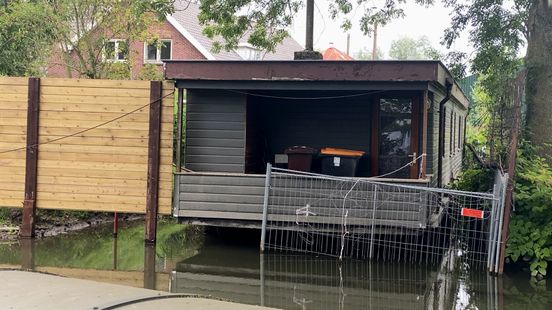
(366, 218)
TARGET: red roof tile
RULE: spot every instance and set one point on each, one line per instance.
(333, 53)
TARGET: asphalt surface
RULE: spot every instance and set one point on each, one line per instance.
(30, 290)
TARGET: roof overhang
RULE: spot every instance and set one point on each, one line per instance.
(344, 75)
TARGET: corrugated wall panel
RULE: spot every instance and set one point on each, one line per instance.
(215, 131)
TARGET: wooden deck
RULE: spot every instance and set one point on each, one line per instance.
(237, 199)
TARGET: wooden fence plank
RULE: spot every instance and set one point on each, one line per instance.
(104, 169)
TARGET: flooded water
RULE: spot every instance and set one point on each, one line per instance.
(187, 261)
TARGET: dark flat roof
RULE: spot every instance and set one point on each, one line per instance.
(388, 71)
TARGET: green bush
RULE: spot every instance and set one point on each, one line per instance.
(476, 179)
(150, 72)
(531, 224)
(117, 71)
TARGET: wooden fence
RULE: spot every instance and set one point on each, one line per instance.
(97, 144)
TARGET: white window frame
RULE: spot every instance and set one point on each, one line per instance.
(115, 51)
(158, 58)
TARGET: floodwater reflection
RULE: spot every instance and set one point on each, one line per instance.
(186, 261)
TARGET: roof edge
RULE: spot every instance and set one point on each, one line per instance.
(190, 38)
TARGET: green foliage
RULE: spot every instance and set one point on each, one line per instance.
(474, 180)
(26, 36)
(407, 48)
(84, 29)
(117, 71)
(366, 54)
(265, 21)
(150, 72)
(530, 229)
(8, 215)
(497, 30)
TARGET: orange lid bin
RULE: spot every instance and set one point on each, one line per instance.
(340, 152)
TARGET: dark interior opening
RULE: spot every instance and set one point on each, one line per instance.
(277, 120)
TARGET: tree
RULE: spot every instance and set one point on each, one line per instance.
(26, 36)
(84, 29)
(366, 54)
(498, 32)
(413, 49)
(266, 21)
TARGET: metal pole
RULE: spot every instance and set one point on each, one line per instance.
(373, 221)
(492, 231)
(502, 224)
(262, 279)
(178, 159)
(310, 26)
(265, 205)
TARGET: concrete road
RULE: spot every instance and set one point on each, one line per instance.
(30, 290)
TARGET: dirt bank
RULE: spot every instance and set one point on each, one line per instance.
(53, 223)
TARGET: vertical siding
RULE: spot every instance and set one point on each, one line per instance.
(215, 131)
(452, 162)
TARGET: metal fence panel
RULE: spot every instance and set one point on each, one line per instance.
(365, 218)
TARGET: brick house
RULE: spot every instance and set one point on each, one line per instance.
(180, 38)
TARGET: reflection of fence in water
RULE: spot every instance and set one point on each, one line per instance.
(315, 283)
(308, 282)
(360, 218)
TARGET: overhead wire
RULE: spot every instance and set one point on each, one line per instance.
(87, 129)
(305, 98)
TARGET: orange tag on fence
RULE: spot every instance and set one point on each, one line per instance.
(472, 213)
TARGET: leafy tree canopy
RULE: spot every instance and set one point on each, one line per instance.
(413, 49)
(26, 36)
(84, 28)
(267, 21)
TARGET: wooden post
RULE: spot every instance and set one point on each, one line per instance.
(152, 201)
(31, 164)
(512, 157)
(27, 247)
(149, 266)
(375, 43)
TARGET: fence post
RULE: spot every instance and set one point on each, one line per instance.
(492, 229)
(373, 221)
(265, 205)
(504, 219)
(31, 163)
(152, 194)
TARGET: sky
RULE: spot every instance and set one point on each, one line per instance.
(419, 21)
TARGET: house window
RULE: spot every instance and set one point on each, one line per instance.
(116, 50)
(158, 51)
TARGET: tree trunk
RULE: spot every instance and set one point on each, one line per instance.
(539, 77)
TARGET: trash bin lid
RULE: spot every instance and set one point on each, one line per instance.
(340, 152)
(300, 150)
